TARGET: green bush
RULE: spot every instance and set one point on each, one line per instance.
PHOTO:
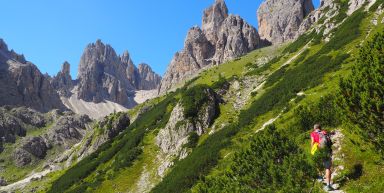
(272, 163)
(361, 98)
(324, 112)
(193, 99)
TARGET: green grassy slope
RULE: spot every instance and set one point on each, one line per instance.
(295, 88)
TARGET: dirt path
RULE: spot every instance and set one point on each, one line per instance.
(336, 139)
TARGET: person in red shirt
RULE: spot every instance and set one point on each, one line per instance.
(324, 154)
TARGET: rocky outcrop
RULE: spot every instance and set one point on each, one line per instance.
(109, 128)
(222, 37)
(68, 130)
(63, 82)
(21, 157)
(103, 75)
(149, 80)
(13, 122)
(279, 21)
(36, 146)
(10, 127)
(174, 135)
(22, 84)
(3, 182)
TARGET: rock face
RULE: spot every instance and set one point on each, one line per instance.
(111, 128)
(149, 80)
(36, 146)
(175, 134)
(222, 37)
(68, 130)
(21, 157)
(63, 82)
(22, 84)
(13, 121)
(279, 21)
(103, 75)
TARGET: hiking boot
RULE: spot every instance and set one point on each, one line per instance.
(328, 188)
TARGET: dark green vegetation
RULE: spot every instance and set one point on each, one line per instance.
(362, 93)
(323, 112)
(123, 150)
(272, 163)
(203, 158)
(300, 42)
(305, 75)
(193, 99)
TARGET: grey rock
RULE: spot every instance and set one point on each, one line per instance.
(103, 75)
(197, 50)
(3, 182)
(174, 135)
(29, 116)
(149, 80)
(36, 146)
(10, 127)
(21, 157)
(68, 130)
(213, 17)
(22, 84)
(223, 37)
(235, 38)
(109, 128)
(279, 21)
(63, 82)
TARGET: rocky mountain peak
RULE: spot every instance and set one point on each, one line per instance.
(126, 58)
(63, 82)
(149, 79)
(65, 68)
(3, 45)
(222, 37)
(103, 75)
(22, 84)
(213, 17)
(279, 21)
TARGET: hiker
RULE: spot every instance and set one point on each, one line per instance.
(322, 152)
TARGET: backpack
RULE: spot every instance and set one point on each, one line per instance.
(324, 140)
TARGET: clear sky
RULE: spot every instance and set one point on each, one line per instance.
(50, 32)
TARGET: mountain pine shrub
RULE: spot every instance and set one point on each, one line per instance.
(362, 93)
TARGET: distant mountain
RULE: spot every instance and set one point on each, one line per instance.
(103, 75)
(22, 84)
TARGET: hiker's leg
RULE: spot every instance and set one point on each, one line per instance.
(328, 176)
(328, 172)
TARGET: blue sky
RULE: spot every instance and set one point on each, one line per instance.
(51, 32)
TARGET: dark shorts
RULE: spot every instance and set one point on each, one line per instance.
(327, 163)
